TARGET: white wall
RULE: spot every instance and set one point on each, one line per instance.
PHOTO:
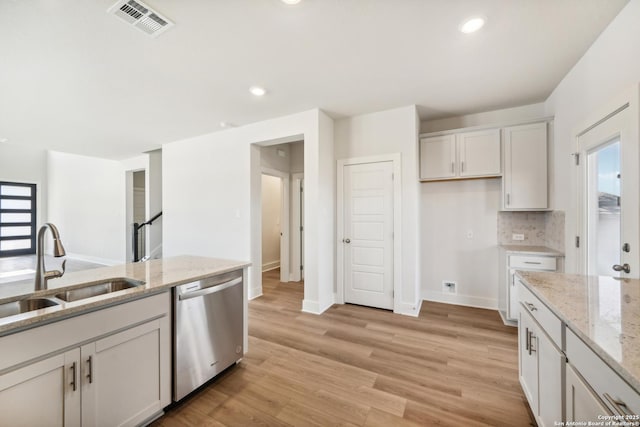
(387, 132)
(504, 116)
(87, 204)
(451, 210)
(609, 67)
(270, 157)
(297, 157)
(154, 201)
(29, 165)
(271, 221)
(211, 197)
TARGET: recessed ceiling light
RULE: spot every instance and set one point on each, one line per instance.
(472, 25)
(225, 125)
(291, 1)
(4, 140)
(257, 90)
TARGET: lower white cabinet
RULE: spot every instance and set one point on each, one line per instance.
(121, 378)
(541, 362)
(44, 393)
(581, 402)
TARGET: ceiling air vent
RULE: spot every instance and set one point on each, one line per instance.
(141, 16)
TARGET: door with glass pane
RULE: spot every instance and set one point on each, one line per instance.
(17, 219)
(609, 198)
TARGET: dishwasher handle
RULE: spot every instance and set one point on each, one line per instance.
(210, 290)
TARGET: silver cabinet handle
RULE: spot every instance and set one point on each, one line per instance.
(508, 199)
(533, 262)
(347, 240)
(624, 267)
(210, 290)
(526, 343)
(620, 407)
(530, 306)
(531, 336)
(90, 374)
(462, 166)
(453, 167)
(73, 376)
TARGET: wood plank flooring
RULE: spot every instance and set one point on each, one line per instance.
(358, 366)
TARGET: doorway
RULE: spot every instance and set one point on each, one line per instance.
(369, 231)
(140, 211)
(609, 215)
(272, 232)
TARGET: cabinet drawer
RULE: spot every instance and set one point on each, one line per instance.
(604, 381)
(533, 262)
(549, 322)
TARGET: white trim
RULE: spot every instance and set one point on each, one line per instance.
(284, 224)
(314, 307)
(268, 266)
(255, 293)
(93, 259)
(295, 274)
(466, 300)
(396, 159)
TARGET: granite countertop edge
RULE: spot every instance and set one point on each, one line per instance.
(201, 267)
(530, 250)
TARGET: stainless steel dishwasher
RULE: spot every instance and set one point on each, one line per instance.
(208, 317)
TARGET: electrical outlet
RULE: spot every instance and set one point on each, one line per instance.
(470, 234)
(449, 287)
(516, 236)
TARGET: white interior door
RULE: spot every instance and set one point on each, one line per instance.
(610, 215)
(368, 234)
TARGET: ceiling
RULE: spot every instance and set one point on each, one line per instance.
(74, 78)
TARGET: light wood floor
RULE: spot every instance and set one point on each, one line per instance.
(358, 366)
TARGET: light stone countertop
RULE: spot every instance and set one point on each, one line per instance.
(530, 250)
(159, 275)
(603, 311)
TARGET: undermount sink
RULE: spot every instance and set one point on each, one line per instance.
(24, 306)
(101, 288)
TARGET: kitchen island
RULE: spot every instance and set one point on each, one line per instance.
(593, 324)
(104, 359)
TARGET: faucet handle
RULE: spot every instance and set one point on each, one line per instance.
(64, 267)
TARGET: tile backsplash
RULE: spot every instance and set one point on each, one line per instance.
(538, 228)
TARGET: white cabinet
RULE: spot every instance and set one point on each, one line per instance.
(121, 381)
(479, 153)
(44, 393)
(524, 184)
(107, 367)
(582, 404)
(460, 156)
(438, 157)
(541, 360)
(509, 263)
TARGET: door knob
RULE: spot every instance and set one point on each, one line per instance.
(347, 240)
(624, 267)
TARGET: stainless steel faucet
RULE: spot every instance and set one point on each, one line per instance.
(42, 275)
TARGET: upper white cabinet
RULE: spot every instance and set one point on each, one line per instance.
(438, 157)
(479, 153)
(525, 167)
(461, 155)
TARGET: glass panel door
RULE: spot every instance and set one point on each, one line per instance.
(604, 209)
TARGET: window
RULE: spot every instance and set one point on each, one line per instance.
(17, 219)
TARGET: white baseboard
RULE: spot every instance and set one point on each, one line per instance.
(268, 266)
(407, 309)
(506, 321)
(254, 293)
(93, 259)
(314, 307)
(457, 299)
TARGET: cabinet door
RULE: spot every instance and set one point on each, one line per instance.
(581, 402)
(525, 167)
(45, 393)
(123, 376)
(527, 345)
(514, 302)
(550, 361)
(437, 157)
(479, 153)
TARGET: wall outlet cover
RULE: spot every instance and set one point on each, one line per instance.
(449, 287)
(516, 236)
